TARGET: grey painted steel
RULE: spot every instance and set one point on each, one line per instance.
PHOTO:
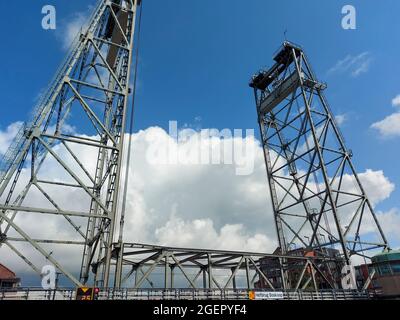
(143, 263)
(318, 200)
(178, 294)
(93, 81)
(95, 76)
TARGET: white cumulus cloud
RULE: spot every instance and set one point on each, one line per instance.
(201, 206)
(72, 26)
(202, 233)
(341, 119)
(396, 101)
(7, 135)
(389, 126)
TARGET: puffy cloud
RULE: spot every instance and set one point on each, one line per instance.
(377, 188)
(341, 119)
(376, 185)
(231, 211)
(390, 222)
(388, 127)
(7, 135)
(201, 232)
(396, 101)
(195, 205)
(71, 27)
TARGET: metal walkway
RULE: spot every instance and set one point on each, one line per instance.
(180, 294)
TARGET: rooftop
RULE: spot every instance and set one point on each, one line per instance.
(387, 256)
(6, 273)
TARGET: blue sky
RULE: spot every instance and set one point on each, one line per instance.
(198, 56)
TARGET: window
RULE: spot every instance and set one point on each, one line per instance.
(395, 267)
(6, 284)
(384, 269)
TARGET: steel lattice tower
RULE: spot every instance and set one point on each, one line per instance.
(92, 88)
(318, 200)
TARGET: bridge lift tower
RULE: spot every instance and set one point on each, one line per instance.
(317, 207)
(92, 89)
(318, 200)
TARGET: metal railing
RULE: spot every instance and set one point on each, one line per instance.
(178, 294)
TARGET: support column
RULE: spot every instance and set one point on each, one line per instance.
(233, 279)
(172, 277)
(204, 271)
(210, 273)
(166, 267)
(248, 273)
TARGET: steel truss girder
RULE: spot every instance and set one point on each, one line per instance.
(142, 261)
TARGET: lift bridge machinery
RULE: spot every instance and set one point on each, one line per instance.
(319, 204)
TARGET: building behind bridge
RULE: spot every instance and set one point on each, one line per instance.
(8, 278)
(386, 278)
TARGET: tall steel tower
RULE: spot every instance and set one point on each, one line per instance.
(90, 92)
(318, 200)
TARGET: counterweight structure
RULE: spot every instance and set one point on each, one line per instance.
(89, 92)
(318, 199)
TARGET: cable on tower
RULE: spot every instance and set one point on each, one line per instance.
(131, 123)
